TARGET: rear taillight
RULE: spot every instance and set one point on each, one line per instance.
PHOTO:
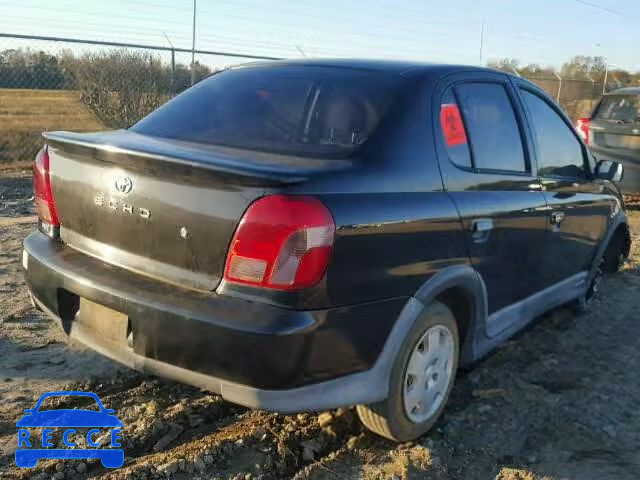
(283, 242)
(582, 126)
(43, 194)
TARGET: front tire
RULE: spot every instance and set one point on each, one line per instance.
(421, 378)
(614, 256)
(584, 303)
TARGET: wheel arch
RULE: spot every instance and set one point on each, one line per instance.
(618, 226)
(623, 233)
(373, 385)
(463, 291)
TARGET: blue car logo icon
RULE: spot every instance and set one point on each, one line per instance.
(67, 419)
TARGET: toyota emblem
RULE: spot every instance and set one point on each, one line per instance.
(124, 184)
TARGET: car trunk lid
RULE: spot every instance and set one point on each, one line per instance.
(160, 207)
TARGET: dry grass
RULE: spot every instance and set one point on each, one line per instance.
(15, 166)
(24, 114)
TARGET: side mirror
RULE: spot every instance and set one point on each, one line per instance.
(29, 410)
(109, 411)
(609, 170)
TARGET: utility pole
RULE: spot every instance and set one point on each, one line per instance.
(193, 46)
(481, 39)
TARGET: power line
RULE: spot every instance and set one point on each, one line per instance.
(131, 35)
(121, 29)
(130, 7)
(89, 14)
(411, 16)
(606, 9)
(151, 4)
(345, 33)
(134, 45)
(435, 29)
(379, 40)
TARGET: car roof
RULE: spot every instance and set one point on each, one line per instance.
(398, 67)
(625, 90)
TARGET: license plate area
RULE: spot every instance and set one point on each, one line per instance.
(104, 324)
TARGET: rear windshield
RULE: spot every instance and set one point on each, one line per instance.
(620, 108)
(318, 111)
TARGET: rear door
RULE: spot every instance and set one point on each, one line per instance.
(615, 135)
(578, 204)
(488, 172)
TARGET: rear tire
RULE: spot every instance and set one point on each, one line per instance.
(421, 378)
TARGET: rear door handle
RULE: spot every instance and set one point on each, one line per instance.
(480, 229)
(557, 218)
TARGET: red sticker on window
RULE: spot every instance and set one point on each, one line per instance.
(452, 125)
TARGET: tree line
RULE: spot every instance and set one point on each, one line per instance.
(119, 86)
(579, 67)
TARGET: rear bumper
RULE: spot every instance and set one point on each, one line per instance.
(252, 354)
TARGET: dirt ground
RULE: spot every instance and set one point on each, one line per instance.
(558, 402)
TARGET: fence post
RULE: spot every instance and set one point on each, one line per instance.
(173, 65)
(593, 90)
(618, 83)
(559, 86)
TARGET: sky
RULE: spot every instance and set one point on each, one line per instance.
(547, 32)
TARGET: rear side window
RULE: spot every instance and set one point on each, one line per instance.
(619, 108)
(492, 127)
(559, 151)
(316, 111)
(490, 137)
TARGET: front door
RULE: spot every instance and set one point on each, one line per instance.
(487, 172)
(578, 206)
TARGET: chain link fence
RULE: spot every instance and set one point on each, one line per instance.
(64, 84)
(576, 96)
(54, 84)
